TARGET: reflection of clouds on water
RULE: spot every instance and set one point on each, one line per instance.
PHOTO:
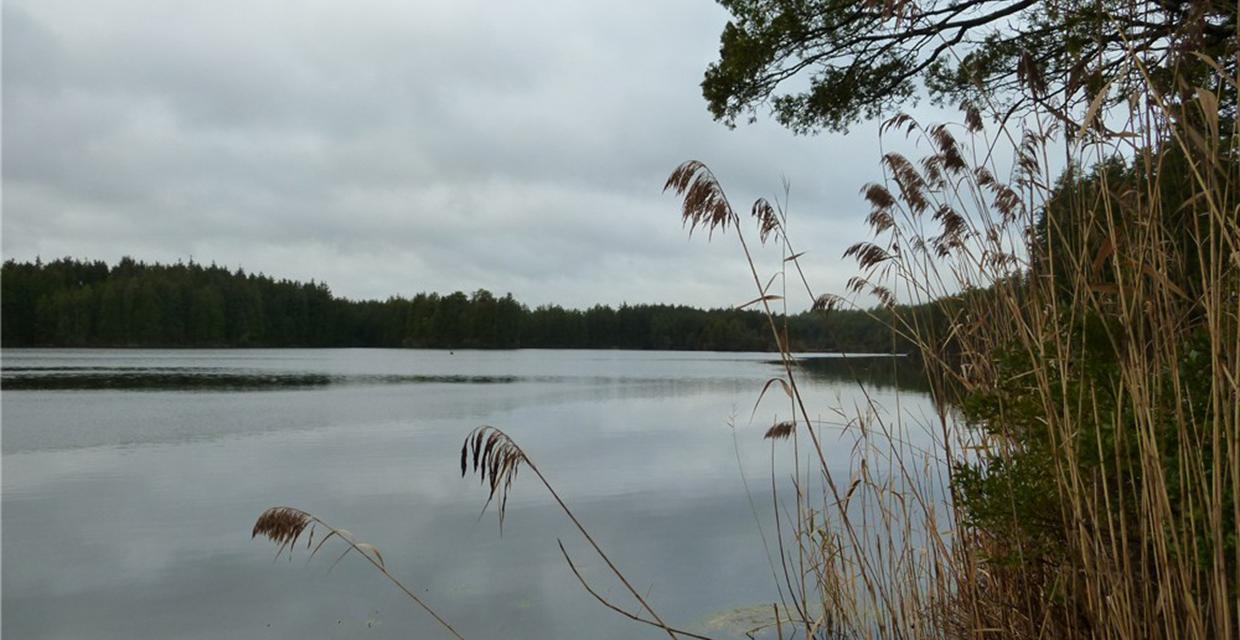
(127, 514)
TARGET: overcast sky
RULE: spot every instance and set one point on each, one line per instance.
(391, 147)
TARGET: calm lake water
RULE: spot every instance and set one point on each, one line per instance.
(131, 479)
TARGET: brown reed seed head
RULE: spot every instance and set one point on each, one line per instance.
(867, 254)
(496, 459)
(972, 117)
(780, 430)
(826, 302)
(949, 152)
(704, 202)
(912, 186)
(768, 219)
(282, 525)
(878, 196)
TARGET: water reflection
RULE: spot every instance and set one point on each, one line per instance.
(126, 513)
(874, 371)
(168, 378)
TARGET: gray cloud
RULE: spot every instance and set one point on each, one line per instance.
(389, 147)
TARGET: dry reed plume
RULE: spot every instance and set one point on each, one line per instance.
(1081, 337)
(286, 525)
(495, 457)
(1082, 340)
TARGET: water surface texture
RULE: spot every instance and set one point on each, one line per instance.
(131, 479)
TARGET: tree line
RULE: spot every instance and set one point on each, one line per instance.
(79, 303)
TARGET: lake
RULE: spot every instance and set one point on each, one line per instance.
(131, 479)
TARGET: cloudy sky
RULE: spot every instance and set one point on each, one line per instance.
(395, 146)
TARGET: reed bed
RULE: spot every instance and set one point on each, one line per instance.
(1082, 341)
(1078, 319)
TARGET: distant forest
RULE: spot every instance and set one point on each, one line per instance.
(73, 303)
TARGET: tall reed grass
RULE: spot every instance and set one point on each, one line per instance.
(1082, 340)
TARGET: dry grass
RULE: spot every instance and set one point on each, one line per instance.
(496, 460)
(286, 525)
(1096, 328)
(1104, 343)
(1144, 459)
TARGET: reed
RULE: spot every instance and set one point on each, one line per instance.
(285, 526)
(1080, 331)
(1083, 342)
